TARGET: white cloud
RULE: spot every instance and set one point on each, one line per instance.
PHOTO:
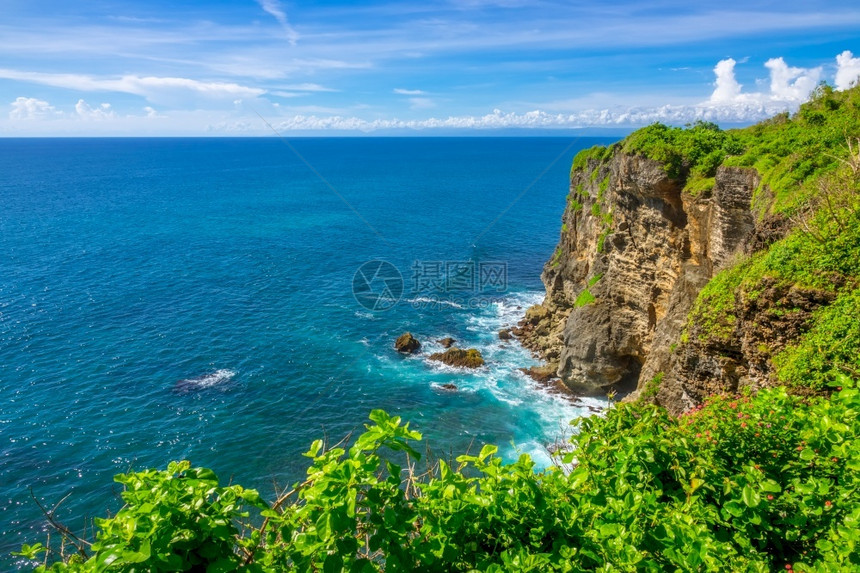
(727, 87)
(421, 103)
(274, 8)
(152, 113)
(31, 108)
(150, 87)
(788, 83)
(86, 111)
(307, 87)
(788, 88)
(847, 71)
(402, 91)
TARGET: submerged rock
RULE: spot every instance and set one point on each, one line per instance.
(460, 358)
(407, 343)
(448, 386)
(446, 342)
(505, 334)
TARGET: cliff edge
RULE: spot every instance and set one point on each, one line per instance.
(664, 285)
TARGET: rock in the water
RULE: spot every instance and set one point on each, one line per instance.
(407, 343)
(470, 358)
(505, 334)
(448, 386)
(446, 342)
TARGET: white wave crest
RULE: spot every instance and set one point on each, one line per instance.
(205, 381)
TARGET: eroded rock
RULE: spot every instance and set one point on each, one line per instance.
(407, 343)
(461, 358)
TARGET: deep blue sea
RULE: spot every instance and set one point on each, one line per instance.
(166, 299)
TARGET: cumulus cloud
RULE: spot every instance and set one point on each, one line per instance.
(727, 87)
(31, 108)
(788, 88)
(86, 111)
(274, 8)
(847, 70)
(789, 83)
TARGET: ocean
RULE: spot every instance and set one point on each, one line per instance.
(228, 301)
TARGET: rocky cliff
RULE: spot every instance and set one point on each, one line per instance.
(635, 251)
(697, 261)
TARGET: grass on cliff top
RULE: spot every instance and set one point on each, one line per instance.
(790, 152)
(696, 150)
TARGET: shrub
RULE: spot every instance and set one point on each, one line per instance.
(761, 482)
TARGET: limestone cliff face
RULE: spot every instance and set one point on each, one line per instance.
(633, 255)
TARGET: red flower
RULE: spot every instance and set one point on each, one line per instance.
(769, 497)
(827, 503)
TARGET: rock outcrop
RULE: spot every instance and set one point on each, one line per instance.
(635, 251)
(407, 343)
(458, 357)
(446, 342)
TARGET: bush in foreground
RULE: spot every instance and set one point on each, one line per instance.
(743, 483)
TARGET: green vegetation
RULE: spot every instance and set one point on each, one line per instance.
(601, 239)
(831, 347)
(584, 298)
(793, 153)
(753, 483)
(714, 310)
(556, 257)
(604, 185)
(699, 149)
(698, 185)
(821, 254)
(597, 153)
(595, 279)
(653, 386)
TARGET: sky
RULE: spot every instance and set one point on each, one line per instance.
(255, 67)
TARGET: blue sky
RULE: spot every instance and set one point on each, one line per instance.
(123, 67)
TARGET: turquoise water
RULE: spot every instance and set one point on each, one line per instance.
(193, 298)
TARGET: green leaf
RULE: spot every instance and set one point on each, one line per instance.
(750, 496)
(770, 486)
(333, 563)
(487, 451)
